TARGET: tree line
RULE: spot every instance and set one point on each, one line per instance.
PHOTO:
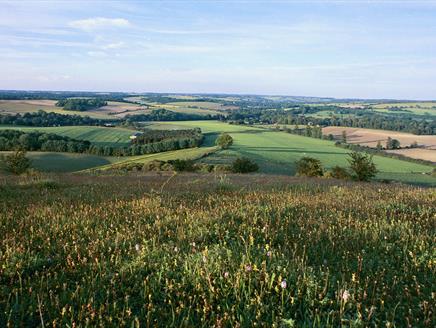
(81, 104)
(40, 141)
(41, 118)
(419, 126)
(167, 115)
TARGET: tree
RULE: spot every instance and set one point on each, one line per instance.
(310, 167)
(16, 163)
(392, 143)
(362, 166)
(244, 165)
(379, 145)
(344, 136)
(224, 141)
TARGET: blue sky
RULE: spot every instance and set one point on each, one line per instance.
(365, 49)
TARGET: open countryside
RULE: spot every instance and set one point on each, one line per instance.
(218, 164)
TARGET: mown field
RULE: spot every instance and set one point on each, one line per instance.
(198, 251)
(277, 152)
(98, 135)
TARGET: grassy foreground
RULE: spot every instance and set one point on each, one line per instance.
(202, 250)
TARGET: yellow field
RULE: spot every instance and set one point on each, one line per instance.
(370, 137)
(418, 153)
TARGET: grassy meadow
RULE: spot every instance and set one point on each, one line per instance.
(230, 251)
(277, 152)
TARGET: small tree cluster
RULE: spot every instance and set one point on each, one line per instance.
(224, 141)
(16, 163)
(244, 165)
(309, 167)
(362, 168)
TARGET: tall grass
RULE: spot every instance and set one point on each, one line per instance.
(307, 255)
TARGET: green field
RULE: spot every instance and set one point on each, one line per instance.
(65, 162)
(98, 135)
(189, 153)
(276, 152)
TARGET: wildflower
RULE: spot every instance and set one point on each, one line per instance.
(248, 268)
(268, 253)
(137, 247)
(176, 249)
(346, 295)
(283, 284)
(226, 274)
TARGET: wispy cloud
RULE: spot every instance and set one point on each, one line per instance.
(99, 23)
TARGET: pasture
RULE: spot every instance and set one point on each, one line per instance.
(98, 135)
(194, 251)
(277, 152)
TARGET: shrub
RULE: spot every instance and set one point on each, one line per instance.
(362, 166)
(224, 141)
(244, 165)
(183, 165)
(339, 172)
(310, 167)
(16, 163)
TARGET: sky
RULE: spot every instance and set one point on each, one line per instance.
(343, 49)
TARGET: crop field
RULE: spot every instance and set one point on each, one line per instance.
(236, 251)
(65, 162)
(98, 135)
(277, 152)
(418, 153)
(370, 137)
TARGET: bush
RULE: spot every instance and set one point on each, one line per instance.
(310, 167)
(183, 165)
(224, 141)
(362, 166)
(16, 163)
(244, 165)
(339, 172)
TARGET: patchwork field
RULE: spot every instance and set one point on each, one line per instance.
(370, 137)
(417, 108)
(98, 135)
(277, 152)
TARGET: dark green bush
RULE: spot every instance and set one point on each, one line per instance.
(244, 165)
(310, 167)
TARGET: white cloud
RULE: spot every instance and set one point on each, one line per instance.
(115, 45)
(99, 23)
